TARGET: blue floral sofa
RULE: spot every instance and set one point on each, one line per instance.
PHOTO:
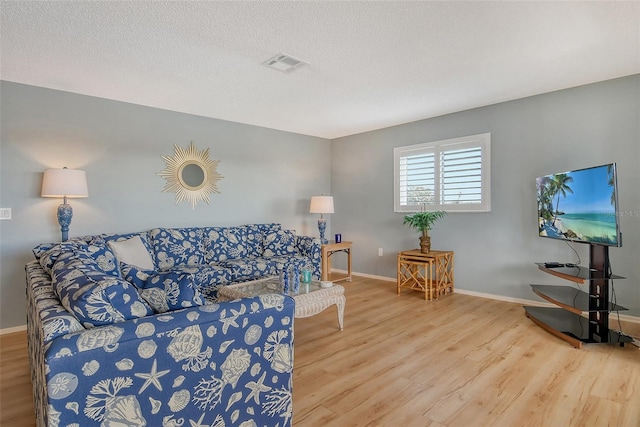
(127, 329)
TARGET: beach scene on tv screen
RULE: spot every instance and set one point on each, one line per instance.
(579, 205)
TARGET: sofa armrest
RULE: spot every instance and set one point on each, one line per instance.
(311, 248)
(220, 363)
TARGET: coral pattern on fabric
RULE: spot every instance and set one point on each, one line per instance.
(217, 364)
(112, 344)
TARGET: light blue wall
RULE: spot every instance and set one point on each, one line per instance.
(494, 252)
(269, 175)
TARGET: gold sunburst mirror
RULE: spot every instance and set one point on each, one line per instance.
(191, 175)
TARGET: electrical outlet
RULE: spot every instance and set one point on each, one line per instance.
(380, 252)
(5, 213)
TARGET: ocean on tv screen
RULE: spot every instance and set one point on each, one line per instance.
(587, 227)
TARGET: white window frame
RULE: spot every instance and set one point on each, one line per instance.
(482, 141)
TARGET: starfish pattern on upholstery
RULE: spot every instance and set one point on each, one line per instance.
(199, 422)
(231, 320)
(152, 377)
(256, 387)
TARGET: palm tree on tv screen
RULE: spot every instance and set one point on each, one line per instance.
(545, 205)
(611, 183)
(559, 186)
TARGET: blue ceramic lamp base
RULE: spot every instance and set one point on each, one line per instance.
(65, 213)
(322, 226)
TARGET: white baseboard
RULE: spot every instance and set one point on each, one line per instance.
(14, 329)
(369, 276)
(614, 316)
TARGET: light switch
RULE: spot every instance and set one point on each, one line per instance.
(5, 213)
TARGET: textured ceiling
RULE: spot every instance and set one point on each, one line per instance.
(371, 64)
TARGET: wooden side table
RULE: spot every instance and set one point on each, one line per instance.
(415, 272)
(329, 249)
(430, 273)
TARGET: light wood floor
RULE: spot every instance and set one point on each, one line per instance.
(403, 361)
(16, 398)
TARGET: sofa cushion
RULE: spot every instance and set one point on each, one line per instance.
(279, 243)
(164, 291)
(47, 256)
(40, 250)
(98, 249)
(208, 278)
(55, 319)
(143, 235)
(132, 251)
(95, 298)
(255, 234)
(135, 275)
(224, 243)
(177, 246)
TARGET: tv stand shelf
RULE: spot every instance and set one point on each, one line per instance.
(567, 321)
(572, 299)
(577, 274)
(569, 326)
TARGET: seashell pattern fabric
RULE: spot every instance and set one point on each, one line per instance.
(98, 249)
(113, 344)
(255, 235)
(94, 297)
(278, 243)
(177, 246)
(144, 237)
(226, 243)
(215, 255)
(164, 291)
(55, 320)
(93, 247)
(228, 363)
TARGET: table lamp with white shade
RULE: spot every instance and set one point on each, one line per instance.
(322, 205)
(64, 183)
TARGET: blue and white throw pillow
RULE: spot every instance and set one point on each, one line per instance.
(40, 250)
(255, 234)
(132, 251)
(56, 320)
(130, 248)
(97, 249)
(48, 256)
(135, 275)
(93, 296)
(164, 291)
(279, 243)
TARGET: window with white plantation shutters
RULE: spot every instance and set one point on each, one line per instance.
(451, 175)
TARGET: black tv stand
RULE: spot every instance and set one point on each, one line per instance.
(566, 321)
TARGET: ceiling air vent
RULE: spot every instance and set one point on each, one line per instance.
(283, 62)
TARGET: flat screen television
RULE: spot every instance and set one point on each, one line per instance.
(580, 206)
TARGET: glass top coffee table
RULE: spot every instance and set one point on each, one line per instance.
(310, 300)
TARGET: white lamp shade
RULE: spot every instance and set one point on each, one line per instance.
(64, 183)
(321, 204)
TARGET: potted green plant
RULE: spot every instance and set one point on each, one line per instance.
(423, 222)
